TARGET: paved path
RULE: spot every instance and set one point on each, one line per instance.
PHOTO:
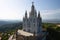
(10, 38)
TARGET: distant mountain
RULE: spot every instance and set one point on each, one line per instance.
(10, 26)
(7, 22)
(51, 21)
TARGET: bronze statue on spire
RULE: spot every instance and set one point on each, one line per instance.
(32, 3)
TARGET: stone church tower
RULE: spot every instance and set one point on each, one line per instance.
(33, 24)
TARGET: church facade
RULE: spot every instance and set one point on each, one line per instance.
(33, 23)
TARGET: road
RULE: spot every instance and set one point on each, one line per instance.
(10, 38)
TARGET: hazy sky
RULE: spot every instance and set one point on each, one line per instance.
(15, 9)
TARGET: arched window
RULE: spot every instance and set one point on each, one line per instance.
(28, 30)
(34, 20)
(34, 24)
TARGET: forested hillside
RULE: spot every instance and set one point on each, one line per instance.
(11, 26)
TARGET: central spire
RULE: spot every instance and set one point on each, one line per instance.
(33, 11)
(32, 6)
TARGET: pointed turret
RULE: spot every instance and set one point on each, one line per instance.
(39, 18)
(39, 14)
(32, 8)
(25, 14)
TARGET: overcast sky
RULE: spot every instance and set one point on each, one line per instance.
(15, 9)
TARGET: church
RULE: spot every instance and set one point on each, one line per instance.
(32, 26)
